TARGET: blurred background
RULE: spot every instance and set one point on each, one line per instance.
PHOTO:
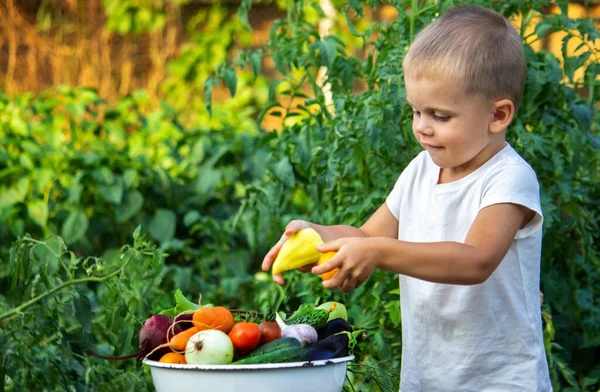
(167, 47)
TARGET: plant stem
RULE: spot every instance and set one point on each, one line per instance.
(592, 85)
(419, 12)
(413, 15)
(56, 289)
(350, 383)
(282, 292)
(72, 328)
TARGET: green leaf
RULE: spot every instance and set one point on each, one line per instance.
(351, 25)
(126, 333)
(256, 60)
(594, 140)
(182, 305)
(208, 88)
(162, 225)
(230, 80)
(573, 63)
(564, 7)
(38, 212)
(113, 192)
(103, 175)
(542, 28)
(284, 172)
(75, 189)
(373, 133)
(242, 13)
(26, 161)
(328, 50)
(47, 257)
(8, 198)
(584, 115)
(191, 217)
(207, 181)
(124, 25)
(130, 178)
(18, 126)
(83, 312)
(197, 152)
(75, 226)
(273, 89)
(76, 109)
(131, 205)
(44, 177)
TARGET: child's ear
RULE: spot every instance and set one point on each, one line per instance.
(503, 112)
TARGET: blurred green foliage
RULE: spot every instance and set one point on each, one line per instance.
(78, 176)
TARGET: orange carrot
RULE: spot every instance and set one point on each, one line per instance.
(173, 358)
(218, 317)
(179, 341)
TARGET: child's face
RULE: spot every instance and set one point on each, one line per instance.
(453, 126)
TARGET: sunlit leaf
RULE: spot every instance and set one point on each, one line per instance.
(38, 212)
(162, 226)
(75, 226)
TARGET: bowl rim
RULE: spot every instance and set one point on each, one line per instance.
(257, 366)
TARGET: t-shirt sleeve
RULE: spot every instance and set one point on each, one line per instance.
(515, 182)
(394, 199)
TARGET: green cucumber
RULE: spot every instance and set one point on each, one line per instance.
(274, 345)
(286, 354)
(308, 314)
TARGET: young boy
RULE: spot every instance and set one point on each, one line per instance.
(462, 225)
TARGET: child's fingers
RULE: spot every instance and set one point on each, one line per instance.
(331, 246)
(348, 285)
(338, 279)
(333, 263)
(292, 228)
(272, 254)
(295, 226)
(278, 279)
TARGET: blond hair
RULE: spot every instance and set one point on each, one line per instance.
(473, 46)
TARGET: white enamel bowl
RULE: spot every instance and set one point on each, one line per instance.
(316, 376)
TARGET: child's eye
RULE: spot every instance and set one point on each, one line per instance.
(441, 118)
(416, 113)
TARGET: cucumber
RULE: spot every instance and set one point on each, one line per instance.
(308, 314)
(275, 345)
(286, 354)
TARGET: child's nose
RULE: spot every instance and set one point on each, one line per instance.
(421, 126)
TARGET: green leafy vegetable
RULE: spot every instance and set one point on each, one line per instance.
(182, 305)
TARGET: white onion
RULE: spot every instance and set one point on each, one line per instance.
(209, 347)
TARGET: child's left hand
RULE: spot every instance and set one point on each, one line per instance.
(355, 259)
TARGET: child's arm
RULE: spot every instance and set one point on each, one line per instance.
(472, 262)
(381, 224)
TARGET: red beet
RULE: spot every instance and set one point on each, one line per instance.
(184, 320)
(152, 334)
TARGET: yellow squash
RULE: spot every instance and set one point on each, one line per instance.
(300, 249)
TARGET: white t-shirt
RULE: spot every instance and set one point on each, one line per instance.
(485, 337)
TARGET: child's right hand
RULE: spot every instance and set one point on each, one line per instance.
(292, 228)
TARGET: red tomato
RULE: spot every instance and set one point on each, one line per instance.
(269, 331)
(245, 336)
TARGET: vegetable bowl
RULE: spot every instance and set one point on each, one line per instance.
(322, 376)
